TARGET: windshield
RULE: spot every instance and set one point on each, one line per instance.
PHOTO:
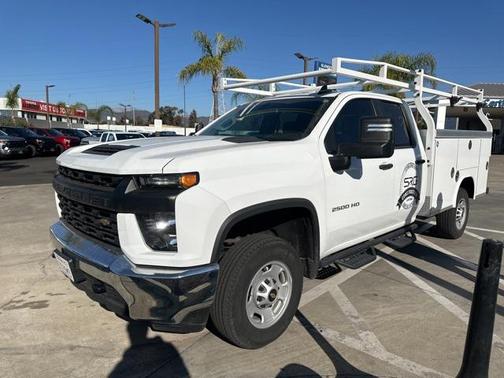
(128, 136)
(17, 131)
(278, 119)
(2, 133)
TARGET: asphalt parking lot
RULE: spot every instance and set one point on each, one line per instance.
(403, 315)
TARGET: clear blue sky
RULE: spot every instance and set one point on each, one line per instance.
(97, 52)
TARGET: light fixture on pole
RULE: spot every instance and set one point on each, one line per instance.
(156, 26)
(125, 107)
(305, 60)
(47, 103)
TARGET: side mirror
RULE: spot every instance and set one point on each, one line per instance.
(339, 162)
(376, 139)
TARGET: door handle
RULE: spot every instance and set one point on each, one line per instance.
(420, 162)
(386, 166)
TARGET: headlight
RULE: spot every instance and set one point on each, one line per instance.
(66, 141)
(159, 231)
(178, 180)
(39, 141)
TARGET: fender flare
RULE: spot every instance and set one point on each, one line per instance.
(264, 207)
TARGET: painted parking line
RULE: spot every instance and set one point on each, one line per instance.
(485, 230)
(438, 297)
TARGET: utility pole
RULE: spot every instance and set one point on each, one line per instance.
(125, 107)
(156, 26)
(47, 103)
(305, 60)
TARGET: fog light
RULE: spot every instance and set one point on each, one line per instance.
(159, 231)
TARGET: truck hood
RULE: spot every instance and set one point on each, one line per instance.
(144, 156)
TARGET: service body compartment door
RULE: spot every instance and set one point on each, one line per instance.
(445, 168)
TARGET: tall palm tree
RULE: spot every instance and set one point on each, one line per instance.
(97, 114)
(425, 61)
(212, 62)
(12, 98)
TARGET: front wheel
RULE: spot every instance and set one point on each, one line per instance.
(452, 223)
(259, 288)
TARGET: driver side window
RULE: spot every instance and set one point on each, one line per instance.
(103, 138)
(110, 138)
(346, 126)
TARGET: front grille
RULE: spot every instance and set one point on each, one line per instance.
(94, 178)
(16, 144)
(97, 223)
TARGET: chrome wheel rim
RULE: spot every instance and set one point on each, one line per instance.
(460, 214)
(268, 294)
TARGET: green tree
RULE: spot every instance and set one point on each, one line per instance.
(170, 115)
(193, 118)
(425, 61)
(12, 98)
(97, 114)
(212, 62)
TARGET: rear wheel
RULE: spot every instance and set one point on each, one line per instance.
(452, 223)
(259, 288)
(31, 151)
(59, 149)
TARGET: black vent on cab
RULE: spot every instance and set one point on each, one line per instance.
(107, 149)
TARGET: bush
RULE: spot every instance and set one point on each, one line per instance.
(20, 122)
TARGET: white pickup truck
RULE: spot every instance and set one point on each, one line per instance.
(223, 226)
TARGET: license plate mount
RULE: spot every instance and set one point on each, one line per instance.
(65, 265)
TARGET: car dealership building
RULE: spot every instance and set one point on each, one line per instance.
(35, 112)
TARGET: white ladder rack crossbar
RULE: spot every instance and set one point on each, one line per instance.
(340, 67)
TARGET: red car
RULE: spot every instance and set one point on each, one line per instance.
(63, 142)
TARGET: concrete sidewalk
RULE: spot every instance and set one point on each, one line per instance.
(403, 315)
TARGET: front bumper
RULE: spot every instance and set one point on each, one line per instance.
(172, 300)
(12, 151)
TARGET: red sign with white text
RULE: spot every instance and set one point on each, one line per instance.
(42, 107)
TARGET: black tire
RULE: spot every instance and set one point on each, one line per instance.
(31, 151)
(448, 224)
(238, 267)
(59, 149)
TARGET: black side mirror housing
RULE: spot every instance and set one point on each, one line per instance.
(339, 162)
(376, 139)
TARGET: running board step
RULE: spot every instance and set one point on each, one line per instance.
(358, 259)
(401, 241)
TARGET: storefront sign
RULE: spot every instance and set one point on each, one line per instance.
(42, 107)
(494, 103)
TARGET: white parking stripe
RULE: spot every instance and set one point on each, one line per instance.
(485, 229)
(474, 235)
(442, 300)
(446, 252)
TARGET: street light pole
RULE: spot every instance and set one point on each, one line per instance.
(156, 26)
(47, 103)
(305, 60)
(125, 107)
(184, 117)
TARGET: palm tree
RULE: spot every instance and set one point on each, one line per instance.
(425, 61)
(96, 114)
(12, 98)
(212, 62)
(70, 109)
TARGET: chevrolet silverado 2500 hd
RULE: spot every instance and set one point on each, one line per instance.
(224, 225)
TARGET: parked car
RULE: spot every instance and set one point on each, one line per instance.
(71, 132)
(36, 144)
(84, 131)
(63, 142)
(225, 226)
(11, 145)
(163, 134)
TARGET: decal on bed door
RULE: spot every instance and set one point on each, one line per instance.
(409, 195)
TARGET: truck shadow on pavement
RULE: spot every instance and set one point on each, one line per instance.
(146, 356)
(440, 259)
(343, 367)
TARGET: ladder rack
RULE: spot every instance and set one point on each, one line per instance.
(419, 83)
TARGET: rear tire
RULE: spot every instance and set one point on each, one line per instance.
(451, 223)
(258, 292)
(59, 149)
(31, 151)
